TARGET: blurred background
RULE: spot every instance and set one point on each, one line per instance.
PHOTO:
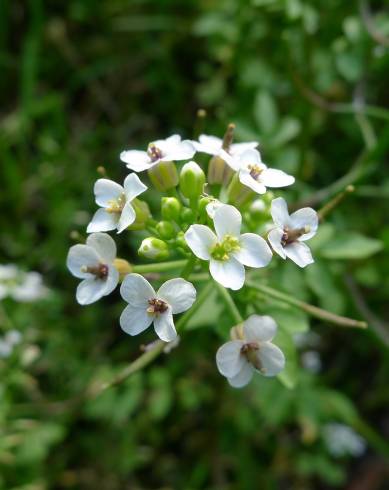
(81, 80)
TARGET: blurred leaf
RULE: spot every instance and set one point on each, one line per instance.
(265, 112)
(351, 246)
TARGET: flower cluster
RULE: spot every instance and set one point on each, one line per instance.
(24, 287)
(202, 221)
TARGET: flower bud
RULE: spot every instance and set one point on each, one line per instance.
(154, 248)
(170, 208)
(165, 229)
(192, 180)
(187, 215)
(142, 211)
(180, 240)
(163, 176)
(218, 171)
(123, 267)
(238, 194)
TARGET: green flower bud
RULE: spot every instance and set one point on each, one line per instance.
(204, 201)
(154, 248)
(170, 208)
(165, 229)
(163, 176)
(180, 240)
(218, 171)
(142, 211)
(187, 215)
(192, 180)
(238, 194)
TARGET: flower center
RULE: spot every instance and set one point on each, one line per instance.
(154, 153)
(291, 235)
(156, 306)
(255, 171)
(100, 271)
(116, 205)
(222, 250)
(249, 350)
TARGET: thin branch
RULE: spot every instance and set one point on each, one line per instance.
(368, 22)
(227, 298)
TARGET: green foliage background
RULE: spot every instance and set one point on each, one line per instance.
(80, 80)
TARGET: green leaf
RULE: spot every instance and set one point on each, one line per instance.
(288, 129)
(351, 246)
(289, 376)
(265, 112)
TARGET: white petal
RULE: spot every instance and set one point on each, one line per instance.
(238, 148)
(200, 240)
(232, 161)
(271, 359)
(249, 181)
(274, 238)
(300, 253)
(127, 217)
(112, 280)
(106, 190)
(133, 187)
(104, 245)
(254, 252)
(184, 151)
(209, 144)
(250, 157)
(136, 290)
(305, 217)
(90, 290)
(80, 256)
(178, 293)
(212, 207)
(164, 326)
(272, 177)
(134, 320)
(229, 273)
(136, 160)
(259, 328)
(103, 221)
(227, 221)
(229, 359)
(279, 212)
(243, 377)
(174, 139)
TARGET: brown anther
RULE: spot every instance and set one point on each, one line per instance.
(249, 351)
(100, 271)
(255, 171)
(291, 235)
(154, 153)
(156, 306)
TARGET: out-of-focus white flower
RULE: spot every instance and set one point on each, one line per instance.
(146, 306)
(213, 145)
(342, 440)
(170, 149)
(116, 211)
(22, 286)
(253, 173)
(311, 361)
(172, 345)
(93, 263)
(228, 251)
(253, 351)
(290, 233)
(8, 342)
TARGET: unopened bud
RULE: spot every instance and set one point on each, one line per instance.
(163, 176)
(180, 240)
(170, 208)
(143, 214)
(123, 267)
(187, 215)
(165, 229)
(154, 248)
(218, 171)
(192, 180)
(238, 194)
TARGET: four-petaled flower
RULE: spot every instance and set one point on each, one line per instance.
(254, 174)
(228, 251)
(93, 263)
(253, 351)
(166, 150)
(287, 239)
(146, 306)
(213, 145)
(116, 211)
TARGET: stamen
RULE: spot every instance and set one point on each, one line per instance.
(100, 271)
(156, 306)
(154, 153)
(249, 351)
(116, 205)
(255, 171)
(222, 250)
(291, 235)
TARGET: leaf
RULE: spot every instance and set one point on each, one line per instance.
(351, 246)
(288, 318)
(265, 112)
(288, 129)
(289, 376)
(321, 282)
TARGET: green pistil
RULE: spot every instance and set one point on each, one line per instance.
(222, 250)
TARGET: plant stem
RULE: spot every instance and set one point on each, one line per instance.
(310, 309)
(224, 293)
(189, 266)
(159, 267)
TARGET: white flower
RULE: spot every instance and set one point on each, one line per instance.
(291, 231)
(254, 174)
(213, 145)
(238, 359)
(116, 210)
(146, 306)
(228, 251)
(93, 263)
(166, 150)
(342, 440)
(213, 206)
(8, 342)
(31, 288)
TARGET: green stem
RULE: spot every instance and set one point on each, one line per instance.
(189, 266)
(159, 267)
(224, 293)
(310, 309)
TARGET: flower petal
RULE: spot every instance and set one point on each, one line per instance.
(136, 160)
(164, 326)
(183, 151)
(212, 207)
(208, 144)
(133, 187)
(104, 245)
(238, 148)
(232, 161)
(274, 238)
(271, 358)
(243, 377)
(134, 320)
(80, 256)
(259, 328)
(247, 180)
(136, 290)
(229, 360)
(103, 221)
(279, 212)
(305, 217)
(90, 290)
(250, 157)
(106, 190)
(229, 273)
(200, 240)
(127, 217)
(300, 253)
(254, 252)
(227, 221)
(272, 177)
(178, 293)
(112, 280)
